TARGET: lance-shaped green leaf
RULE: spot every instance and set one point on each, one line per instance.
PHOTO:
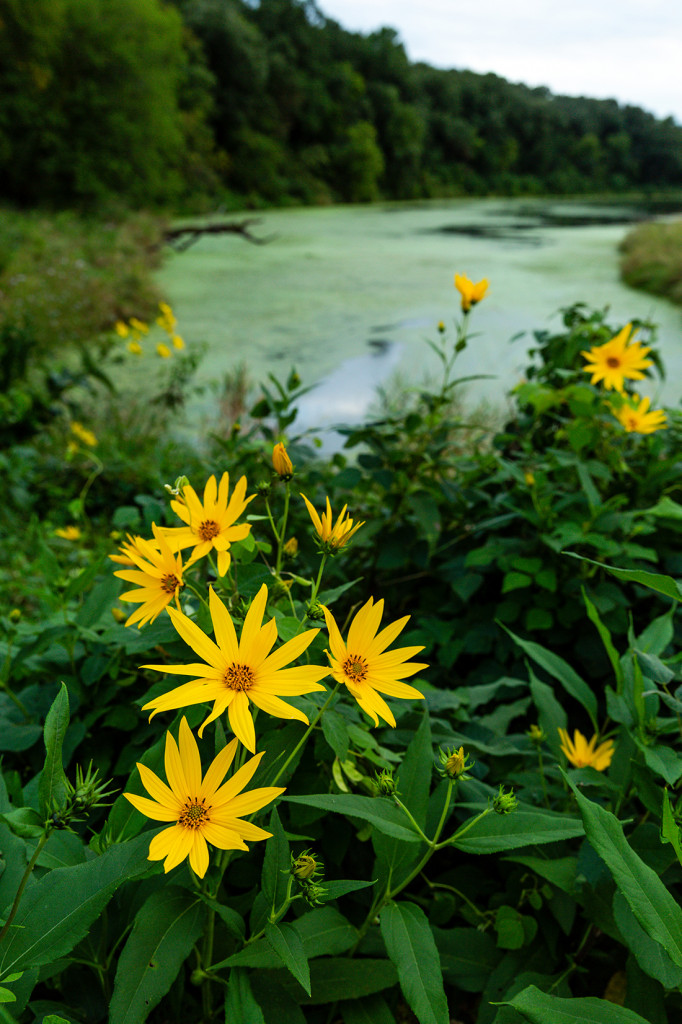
(410, 945)
(670, 830)
(593, 616)
(561, 671)
(657, 581)
(56, 911)
(165, 930)
(287, 943)
(539, 1008)
(53, 787)
(379, 811)
(521, 828)
(240, 1003)
(653, 906)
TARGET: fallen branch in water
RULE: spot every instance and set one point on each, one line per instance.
(181, 238)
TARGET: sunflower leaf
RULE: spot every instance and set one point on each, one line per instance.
(411, 946)
(379, 811)
(52, 787)
(288, 945)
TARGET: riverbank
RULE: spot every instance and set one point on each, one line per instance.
(651, 259)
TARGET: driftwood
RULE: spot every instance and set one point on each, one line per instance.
(181, 238)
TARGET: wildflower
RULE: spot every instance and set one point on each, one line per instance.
(118, 614)
(454, 764)
(134, 348)
(83, 434)
(582, 754)
(291, 547)
(210, 525)
(471, 293)
(15, 615)
(441, 327)
(529, 478)
(636, 419)
(178, 342)
(365, 666)
(202, 810)
(138, 325)
(121, 329)
(333, 536)
(616, 360)
(163, 350)
(281, 462)
(237, 673)
(68, 532)
(157, 573)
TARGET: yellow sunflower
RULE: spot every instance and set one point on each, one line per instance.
(471, 293)
(365, 666)
(616, 360)
(237, 673)
(582, 754)
(158, 574)
(635, 417)
(210, 524)
(130, 548)
(334, 535)
(202, 810)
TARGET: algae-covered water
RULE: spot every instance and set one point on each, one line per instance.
(349, 294)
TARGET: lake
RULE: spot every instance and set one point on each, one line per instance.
(349, 294)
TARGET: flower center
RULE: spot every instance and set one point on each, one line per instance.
(355, 667)
(238, 677)
(208, 529)
(170, 583)
(194, 815)
(613, 362)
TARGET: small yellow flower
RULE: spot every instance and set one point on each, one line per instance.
(636, 419)
(616, 360)
(210, 525)
(291, 547)
(364, 665)
(131, 550)
(536, 735)
(178, 342)
(138, 325)
(163, 350)
(134, 348)
(281, 462)
(83, 434)
(200, 808)
(454, 764)
(529, 478)
(441, 327)
(332, 535)
(471, 293)
(68, 532)
(121, 329)
(582, 754)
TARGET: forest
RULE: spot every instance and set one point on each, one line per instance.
(185, 103)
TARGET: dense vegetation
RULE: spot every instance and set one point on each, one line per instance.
(651, 258)
(271, 102)
(403, 878)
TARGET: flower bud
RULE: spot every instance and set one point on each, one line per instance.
(118, 614)
(15, 615)
(281, 462)
(536, 735)
(505, 803)
(454, 764)
(291, 547)
(384, 782)
(304, 867)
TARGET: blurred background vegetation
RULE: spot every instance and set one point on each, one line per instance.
(148, 103)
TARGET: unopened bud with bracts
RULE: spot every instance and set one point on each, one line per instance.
(505, 803)
(454, 764)
(281, 462)
(384, 782)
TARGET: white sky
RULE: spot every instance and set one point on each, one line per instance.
(628, 50)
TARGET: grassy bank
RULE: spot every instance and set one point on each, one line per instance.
(651, 259)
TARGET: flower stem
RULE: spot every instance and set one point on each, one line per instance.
(24, 882)
(304, 737)
(282, 531)
(316, 585)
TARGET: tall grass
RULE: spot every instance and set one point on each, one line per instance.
(651, 259)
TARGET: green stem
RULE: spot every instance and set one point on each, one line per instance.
(283, 531)
(23, 883)
(465, 828)
(316, 585)
(278, 537)
(304, 737)
(541, 769)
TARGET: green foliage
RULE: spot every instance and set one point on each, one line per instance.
(651, 259)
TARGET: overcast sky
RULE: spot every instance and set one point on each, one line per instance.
(628, 50)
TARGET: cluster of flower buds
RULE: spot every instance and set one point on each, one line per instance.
(308, 871)
(80, 799)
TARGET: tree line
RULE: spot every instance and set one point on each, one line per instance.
(269, 101)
